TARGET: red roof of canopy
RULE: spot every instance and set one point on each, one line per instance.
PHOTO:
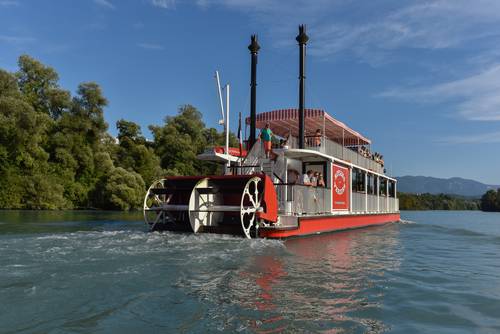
(285, 120)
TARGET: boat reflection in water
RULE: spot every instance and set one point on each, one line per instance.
(326, 283)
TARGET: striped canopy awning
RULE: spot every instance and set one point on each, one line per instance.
(286, 121)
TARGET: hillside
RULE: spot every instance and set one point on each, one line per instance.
(433, 185)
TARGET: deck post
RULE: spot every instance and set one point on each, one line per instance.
(378, 193)
(395, 195)
(302, 39)
(350, 192)
(343, 142)
(323, 138)
(386, 195)
(366, 191)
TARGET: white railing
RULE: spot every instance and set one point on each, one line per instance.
(370, 203)
(251, 164)
(306, 200)
(393, 204)
(303, 200)
(358, 202)
(334, 149)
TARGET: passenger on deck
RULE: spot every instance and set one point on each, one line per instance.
(306, 178)
(293, 176)
(266, 135)
(314, 179)
(317, 138)
(321, 180)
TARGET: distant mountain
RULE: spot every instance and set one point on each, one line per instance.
(434, 185)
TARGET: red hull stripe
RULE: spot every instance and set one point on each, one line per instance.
(313, 225)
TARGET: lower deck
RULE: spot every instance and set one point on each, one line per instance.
(295, 200)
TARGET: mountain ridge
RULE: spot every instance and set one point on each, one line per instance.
(434, 185)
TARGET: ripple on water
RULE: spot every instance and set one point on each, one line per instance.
(423, 277)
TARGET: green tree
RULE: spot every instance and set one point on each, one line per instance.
(134, 154)
(182, 138)
(435, 202)
(26, 176)
(490, 201)
(55, 152)
(179, 141)
(123, 190)
(39, 86)
(129, 131)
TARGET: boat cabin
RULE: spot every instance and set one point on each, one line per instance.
(354, 178)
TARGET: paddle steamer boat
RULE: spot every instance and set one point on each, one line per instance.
(259, 196)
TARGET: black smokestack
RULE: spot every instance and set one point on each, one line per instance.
(302, 38)
(254, 48)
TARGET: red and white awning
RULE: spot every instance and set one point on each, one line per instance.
(286, 121)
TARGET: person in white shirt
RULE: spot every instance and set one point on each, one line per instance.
(306, 178)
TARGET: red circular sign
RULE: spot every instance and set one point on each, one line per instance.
(339, 182)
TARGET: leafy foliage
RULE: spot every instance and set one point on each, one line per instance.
(55, 152)
(491, 201)
(435, 202)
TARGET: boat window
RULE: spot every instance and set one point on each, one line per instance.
(358, 180)
(383, 187)
(392, 189)
(317, 166)
(372, 184)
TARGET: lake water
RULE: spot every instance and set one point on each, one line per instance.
(101, 272)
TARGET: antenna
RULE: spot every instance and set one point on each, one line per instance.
(227, 124)
(219, 92)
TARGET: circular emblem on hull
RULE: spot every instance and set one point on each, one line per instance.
(339, 182)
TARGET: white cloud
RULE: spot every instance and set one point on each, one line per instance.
(16, 39)
(150, 46)
(477, 96)
(378, 32)
(430, 25)
(485, 138)
(9, 3)
(165, 4)
(105, 3)
(372, 32)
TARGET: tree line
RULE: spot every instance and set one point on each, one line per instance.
(56, 152)
(490, 201)
(436, 202)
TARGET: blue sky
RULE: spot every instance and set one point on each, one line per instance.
(420, 78)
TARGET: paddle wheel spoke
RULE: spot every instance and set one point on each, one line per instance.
(153, 204)
(250, 204)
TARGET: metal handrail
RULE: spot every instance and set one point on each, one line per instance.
(299, 199)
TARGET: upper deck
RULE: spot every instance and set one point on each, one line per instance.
(323, 133)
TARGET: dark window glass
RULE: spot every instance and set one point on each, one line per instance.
(391, 189)
(383, 187)
(358, 180)
(371, 186)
